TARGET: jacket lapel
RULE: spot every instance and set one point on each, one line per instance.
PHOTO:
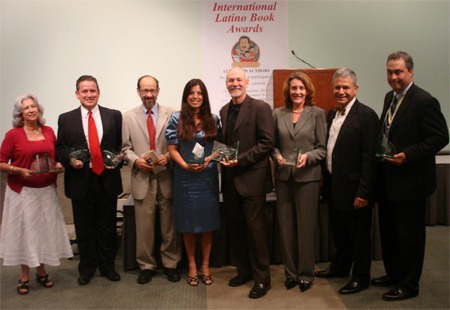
(287, 118)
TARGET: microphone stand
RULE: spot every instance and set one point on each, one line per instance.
(293, 53)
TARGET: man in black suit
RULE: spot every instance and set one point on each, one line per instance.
(92, 187)
(349, 182)
(246, 180)
(413, 123)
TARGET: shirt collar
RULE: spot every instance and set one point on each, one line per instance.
(95, 111)
(154, 109)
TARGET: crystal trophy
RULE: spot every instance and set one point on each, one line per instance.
(111, 159)
(43, 163)
(80, 153)
(222, 151)
(385, 148)
(194, 156)
(292, 157)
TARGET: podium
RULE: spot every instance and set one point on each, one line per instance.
(321, 78)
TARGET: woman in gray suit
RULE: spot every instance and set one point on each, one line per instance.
(300, 145)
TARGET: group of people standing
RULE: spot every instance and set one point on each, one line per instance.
(174, 175)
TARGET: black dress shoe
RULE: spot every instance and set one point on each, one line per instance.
(240, 280)
(172, 274)
(304, 285)
(145, 276)
(84, 279)
(353, 287)
(290, 283)
(111, 275)
(382, 281)
(400, 294)
(259, 290)
(330, 273)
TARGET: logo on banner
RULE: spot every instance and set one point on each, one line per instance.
(245, 53)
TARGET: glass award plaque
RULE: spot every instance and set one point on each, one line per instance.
(385, 148)
(43, 163)
(111, 159)
(292, 157)
(223, 151)
(80, 153)
(194, 156)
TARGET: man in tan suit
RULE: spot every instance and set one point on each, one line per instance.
(151, 182)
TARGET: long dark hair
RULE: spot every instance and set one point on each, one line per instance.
(186, 126)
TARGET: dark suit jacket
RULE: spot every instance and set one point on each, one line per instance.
(353, 157)
(71, 134)
(254, 129)
(419, 130)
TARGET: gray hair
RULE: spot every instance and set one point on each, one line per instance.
(18, 108)
(346, 72)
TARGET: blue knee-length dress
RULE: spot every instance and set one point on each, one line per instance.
(196, 194)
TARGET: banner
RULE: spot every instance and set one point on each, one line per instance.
(252, 35)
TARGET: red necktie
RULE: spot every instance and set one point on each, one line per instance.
(151, 129)
(94, 146)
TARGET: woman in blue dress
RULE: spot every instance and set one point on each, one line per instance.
(190, 137)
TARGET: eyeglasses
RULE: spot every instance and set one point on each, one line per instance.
(146, 91)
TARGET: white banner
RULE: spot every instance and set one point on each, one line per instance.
(249, 34)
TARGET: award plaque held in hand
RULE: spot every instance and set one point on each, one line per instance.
(194, 156)
(43, 163)
(223, 151)
(80, 153)
(111, 159)
(292, 157)
(385, 148)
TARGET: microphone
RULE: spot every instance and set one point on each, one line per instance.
(293, 53)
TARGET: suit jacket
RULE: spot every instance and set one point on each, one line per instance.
(419, 130)
(353, 157)
(310, 132)
(71, 135)
(136, 142)
(254, 129)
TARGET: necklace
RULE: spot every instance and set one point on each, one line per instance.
(297, 111)
(35, 131)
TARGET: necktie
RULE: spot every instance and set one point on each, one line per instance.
(392, 109)
(151, 129)
(94, 146)
(340, 110)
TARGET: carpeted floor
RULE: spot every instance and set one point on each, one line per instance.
(162, 294)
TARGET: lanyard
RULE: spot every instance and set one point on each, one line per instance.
(390, 115)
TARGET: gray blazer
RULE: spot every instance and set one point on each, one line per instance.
(136, 142)
(310, 132)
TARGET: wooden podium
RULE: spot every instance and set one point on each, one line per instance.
(321, 78)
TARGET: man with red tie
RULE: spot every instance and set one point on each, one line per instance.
(92, 187)
(144, 129)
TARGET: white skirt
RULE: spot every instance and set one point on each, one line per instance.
(33, 231)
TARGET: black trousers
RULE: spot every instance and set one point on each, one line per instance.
(246, 222)
(402, 230)
(351, 231)
(95, 227)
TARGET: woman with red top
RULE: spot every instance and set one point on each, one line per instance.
(33, 231)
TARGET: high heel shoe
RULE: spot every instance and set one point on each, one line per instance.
(192, 281)
(44, 281)
(207, 280)
(23, 287)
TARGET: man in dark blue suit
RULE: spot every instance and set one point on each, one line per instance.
(349, 182)
(92, 187)
(413, 123)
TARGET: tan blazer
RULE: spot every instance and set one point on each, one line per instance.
(136, 142)
(310, 132)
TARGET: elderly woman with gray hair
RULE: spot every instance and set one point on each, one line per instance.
(33, 232)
